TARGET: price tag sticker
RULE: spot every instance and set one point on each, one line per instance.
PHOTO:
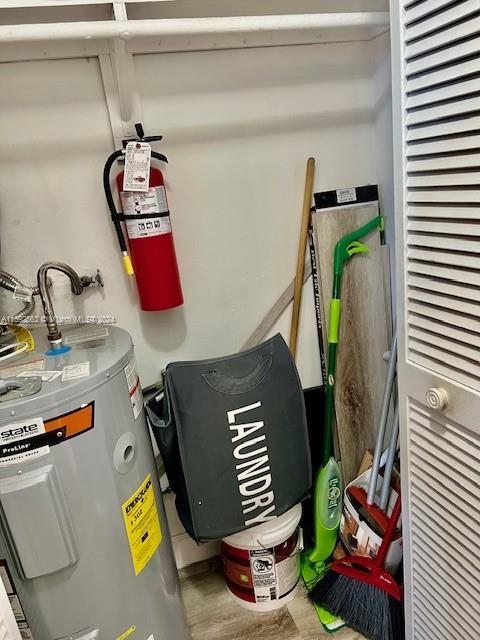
(346, 195)
(136, 176)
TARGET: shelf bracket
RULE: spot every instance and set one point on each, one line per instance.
(120, 85)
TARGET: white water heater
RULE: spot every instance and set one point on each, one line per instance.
(85, 551)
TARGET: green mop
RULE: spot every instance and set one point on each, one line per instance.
(328, 489)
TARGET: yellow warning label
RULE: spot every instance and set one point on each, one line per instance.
(23, 335)
(142, 524)
(127, 633)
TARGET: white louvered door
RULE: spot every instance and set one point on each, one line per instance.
(436, 77)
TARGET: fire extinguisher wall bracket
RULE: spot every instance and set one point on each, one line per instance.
(150, 239)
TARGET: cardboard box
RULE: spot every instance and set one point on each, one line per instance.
(358, 537)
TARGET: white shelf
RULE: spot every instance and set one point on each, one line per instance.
(49, 29)
(29, 4)
(173, 27)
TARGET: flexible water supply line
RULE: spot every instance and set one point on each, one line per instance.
(13, 284)
(54, 335)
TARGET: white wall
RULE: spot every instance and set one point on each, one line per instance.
(382, 96)
(238, 128)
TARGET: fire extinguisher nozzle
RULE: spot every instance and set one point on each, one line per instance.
(127, 263)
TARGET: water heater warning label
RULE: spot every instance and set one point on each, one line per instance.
(142, 524)
(134, 388)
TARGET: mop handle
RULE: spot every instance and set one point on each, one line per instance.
(387, 472)
(349, 245)
(389, 533)
(392, 365)
(345, 249)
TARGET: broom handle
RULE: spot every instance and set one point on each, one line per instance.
(382, 425)
(387, 473)
(302, 247)
(389, 533)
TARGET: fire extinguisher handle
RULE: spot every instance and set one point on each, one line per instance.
(141, 134)
(142, 137)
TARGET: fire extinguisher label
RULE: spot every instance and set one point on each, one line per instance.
(148, 227)
(154, 201)
(137, 166)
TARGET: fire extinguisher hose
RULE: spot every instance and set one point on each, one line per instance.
(115, 215)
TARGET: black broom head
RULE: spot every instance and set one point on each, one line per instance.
(364, 607)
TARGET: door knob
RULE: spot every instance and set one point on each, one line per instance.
(437, 398)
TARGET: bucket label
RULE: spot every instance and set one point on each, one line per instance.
(264, 578)
(262, 575)
(142, 524)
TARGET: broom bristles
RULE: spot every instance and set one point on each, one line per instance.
(364, 607)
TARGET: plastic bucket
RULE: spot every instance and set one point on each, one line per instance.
(262, 564)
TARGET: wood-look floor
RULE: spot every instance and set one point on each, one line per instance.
(213, 615)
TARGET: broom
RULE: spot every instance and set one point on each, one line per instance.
(360, 591)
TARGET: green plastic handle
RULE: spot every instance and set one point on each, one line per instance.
(357, 247)
(349, 244)
(334, 320)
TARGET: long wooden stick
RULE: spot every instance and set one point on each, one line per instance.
(273, 314)
(302, 247)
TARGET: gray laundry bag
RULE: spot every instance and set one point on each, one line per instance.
(232, 432)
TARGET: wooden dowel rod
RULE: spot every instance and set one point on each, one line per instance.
(302, 247)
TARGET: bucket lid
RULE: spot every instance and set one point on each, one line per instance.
(268, 534)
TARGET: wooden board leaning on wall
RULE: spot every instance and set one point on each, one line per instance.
(364, 330)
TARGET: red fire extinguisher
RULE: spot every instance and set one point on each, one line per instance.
(147, 223)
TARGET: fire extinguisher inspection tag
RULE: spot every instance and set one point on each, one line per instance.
(136, 176)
